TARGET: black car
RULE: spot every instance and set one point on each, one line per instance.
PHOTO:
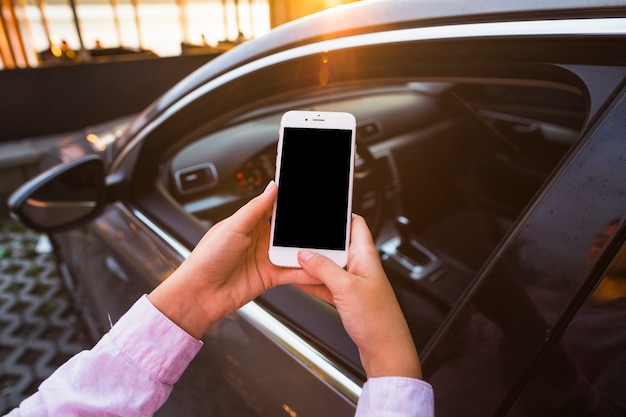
(491, 168)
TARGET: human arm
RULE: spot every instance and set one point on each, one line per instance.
(228, 268)
(373, 319)
(367, 305)
(130, 372)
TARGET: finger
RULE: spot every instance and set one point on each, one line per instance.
(248, 216)
(361, 237)
(363, 257)
(320, 268)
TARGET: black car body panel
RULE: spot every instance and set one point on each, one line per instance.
(493, 179)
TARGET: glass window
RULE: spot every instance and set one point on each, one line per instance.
(585, 373)
(487, 350)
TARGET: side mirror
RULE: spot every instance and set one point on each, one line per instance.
(62, 197)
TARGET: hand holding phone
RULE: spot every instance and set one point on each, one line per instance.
(314, 173)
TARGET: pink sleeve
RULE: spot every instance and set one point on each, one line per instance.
(130, 372)
(396, 397)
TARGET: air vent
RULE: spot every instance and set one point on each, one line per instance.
(196, 178)
(368, 131)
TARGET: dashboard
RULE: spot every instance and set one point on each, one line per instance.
(219, 172)
(423, 139)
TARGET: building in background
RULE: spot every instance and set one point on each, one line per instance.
(37, 32)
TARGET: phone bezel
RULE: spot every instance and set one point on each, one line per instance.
(287, 256)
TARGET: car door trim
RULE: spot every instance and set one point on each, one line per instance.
(312, 358)
(317, 363)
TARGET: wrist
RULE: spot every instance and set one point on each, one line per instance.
(391, 356)
(400, 364)
(192, 310)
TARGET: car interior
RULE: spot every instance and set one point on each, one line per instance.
(443, 170)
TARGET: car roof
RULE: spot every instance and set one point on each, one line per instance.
(368, 16)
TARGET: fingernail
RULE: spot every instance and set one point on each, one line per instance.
(269, 186)
(305, 255)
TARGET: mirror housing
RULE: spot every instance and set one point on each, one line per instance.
(62, 197)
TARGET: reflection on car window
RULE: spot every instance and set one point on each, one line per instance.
(585, 373)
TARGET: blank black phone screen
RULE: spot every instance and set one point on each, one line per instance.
(313, 189)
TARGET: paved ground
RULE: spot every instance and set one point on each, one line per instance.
(38, 327)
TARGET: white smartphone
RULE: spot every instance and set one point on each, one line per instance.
(314, 174)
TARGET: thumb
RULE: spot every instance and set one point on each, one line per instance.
(319, 266)
(251, 213)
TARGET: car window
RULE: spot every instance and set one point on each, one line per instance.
(453, 166)
(585, 371)
(514, 313)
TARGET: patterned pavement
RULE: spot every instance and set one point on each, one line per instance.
(39, 329)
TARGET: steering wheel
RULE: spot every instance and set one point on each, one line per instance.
(369, 189)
